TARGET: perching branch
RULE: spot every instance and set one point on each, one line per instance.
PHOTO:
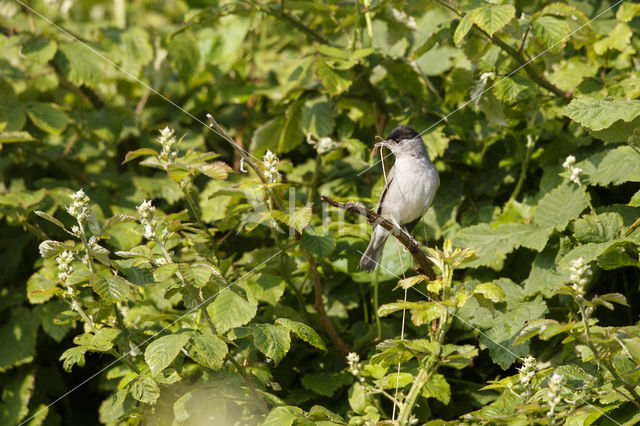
(401, 235)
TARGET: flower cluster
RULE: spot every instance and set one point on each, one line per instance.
(168, 141)
(580, 273)
(80, 206)
(147, 213)
(574, 172)
(322, 145)
(64, 260)
(353, 361)
(271, 167)
(554, 396)
(527, 372)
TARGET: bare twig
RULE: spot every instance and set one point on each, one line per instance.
(405, 238)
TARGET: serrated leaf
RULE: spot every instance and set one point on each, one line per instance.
(18, 336)
(627, 11)
(492, 18)
(303, 331)
(229, 310)
(615, 39)
(78, 64)
(635, 200)
(208, 350)
(39, 51)
(598, 114)
(139, 153)
(283, 416)
(514, 89)
(47, 116)
(184, 55)
(462, 29)
(614, 166)
(389, 308)
(438, 388)
(318, 117)
(164, 272)
(272, 340)
(490, 291)
(598, 229)
(436, 142)
(299, 220)
(493, 244)
(50, 248)
(50, 218)
(16, 136)
(100, 341)
(552, 32)
(177, 172)
(411, 281)
(216, 170)
(559, 206)
(320, 246)
(111, 288)
(162, 351)
(73, 356)
(145, 389)
(335, 81)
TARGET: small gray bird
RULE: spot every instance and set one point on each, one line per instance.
(408, 193)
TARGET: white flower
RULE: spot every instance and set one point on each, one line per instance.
(353, 360)
(570, 161)
(554, 396)
(167, 139)
(148, 231)
(575, 175)
(270, 162)
(580, 272)
(79, 207)
(147, 213)
(322, 145)
(64, 260)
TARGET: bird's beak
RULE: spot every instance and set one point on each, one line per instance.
(380, 145)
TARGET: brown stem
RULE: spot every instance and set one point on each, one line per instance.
(318, 305)
(405, 238)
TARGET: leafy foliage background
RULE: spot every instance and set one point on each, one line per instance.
(276, 75)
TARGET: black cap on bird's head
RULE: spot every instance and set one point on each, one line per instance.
(401, 133)
(402, 139)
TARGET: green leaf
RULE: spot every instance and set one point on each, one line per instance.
(12, 116)
(17, 389)
(164, 272)
(111, 288)
(462, 29)
(438, 388)
(13, 137)
(492, 18)
(615, 39)
(559, 206)
(73, 356)
(598, 114)
(207, 350)
(139, 153)
(229, 310)
(162, 351)
(318, 117)
(47, 116)
(588, 252)
(79, 64)
(635, 200)
(52, 310)
(283, 416)
(411, 281)
(145, 389)
(627, 11)
(266, 136)
(614, 166)
(551, 32)
(514, 89)
(291, 135)
(266, 288)
(216, 170)
(299, 220)
(303, 331)
(598, 229)
(490, 291)
(272, 340)
(100, 341)
(50, 218)
(184, 55)
(544, 276)
(320, 246)
(493, 244)
(436, 142)
(40, 51)
(335, 81)
(325, 384)
(129, 48)
(18, 337)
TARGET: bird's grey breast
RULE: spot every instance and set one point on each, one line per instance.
(414, 187)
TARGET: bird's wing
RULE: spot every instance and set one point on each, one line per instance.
(390, 176)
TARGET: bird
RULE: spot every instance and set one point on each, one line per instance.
(408, 193)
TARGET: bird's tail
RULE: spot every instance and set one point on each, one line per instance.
(369, 259)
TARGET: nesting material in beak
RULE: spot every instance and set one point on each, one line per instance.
(380, 143)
